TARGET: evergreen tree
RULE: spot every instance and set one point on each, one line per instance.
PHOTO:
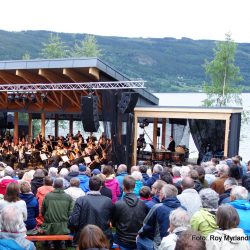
(26, 56)
(86, 48)
(55, 48)
(223, 75)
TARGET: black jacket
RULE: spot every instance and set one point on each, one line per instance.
(128, 217)
(91, 209)
(35, 183)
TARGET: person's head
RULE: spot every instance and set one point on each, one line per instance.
(122, 168)
(171, 138)
(167, 177)
(223, 170)
(238, 193)
(74, 182)
(134, 168)
(248, 165)
(201, 173)
(74, 168)
(143, 169)
(9, 171)
(227, 217)
(128, 184)
(137, 175)
(190, 240)
(209, 198)
(48, 181)
(107, 170)
(95, 183)
(168, 191)
(39, 173)
(194, 174)
(187, 182)
(58, 183)
(157, 169)
(176, 171)
(145, 192)
(25, 187)
(229, 183)
(11, 219)
(157, 186)
(12, 192)
(178, 218)
(185, 171)
(92, 237)
(53, 172)
(64, 172)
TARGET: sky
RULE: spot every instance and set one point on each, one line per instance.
(196, 19)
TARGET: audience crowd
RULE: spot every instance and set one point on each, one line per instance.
(165, 208)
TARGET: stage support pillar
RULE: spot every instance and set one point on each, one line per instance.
(163, 134)
(71, 124)
(56, 125)
(155, 132)
(30, 127)
(227, 130)
(16, 127)
(134, 155)
(43, 124)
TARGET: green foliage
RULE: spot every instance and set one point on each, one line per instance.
(86, 48)
(55, 48)
(223, 75)
(26, 56)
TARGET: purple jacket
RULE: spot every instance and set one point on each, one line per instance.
(113, 185)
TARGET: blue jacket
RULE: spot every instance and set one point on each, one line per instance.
(84, 182)
(150, 204)
(243, 210)
(158, 216)
(152, 180)
(138, 186)
(120, 178)
(9, 244)
(32, 209)
(145, 177)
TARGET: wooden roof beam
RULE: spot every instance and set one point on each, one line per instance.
(95, 72)
(52, 76)
(9, 77)
(29, 77)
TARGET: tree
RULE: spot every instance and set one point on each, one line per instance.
(55, 48)
(86, 48)
(26, 56)
(223, 75)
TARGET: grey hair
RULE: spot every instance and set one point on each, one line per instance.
(239, 193)
(9, 171)
(58, 183)
(169, 190)
(185, 171)
(223, 168)
(53, 172)
(137, 175)
(74, 182)
(231, 182)
(64, 172)
(74, 168)
(209, 198)
(157, 168)
(11, 220)
(122, 168)
(176, 171)
(179, 218)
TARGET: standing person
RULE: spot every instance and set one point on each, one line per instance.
(31, 203)
(171, 145)
(11, 198)
(37, 181)
(93, 208)
(8, 178)
(56, 208)
(122, 171)
(74, 190)
(128, 216)
(41, 192)
(218, 184)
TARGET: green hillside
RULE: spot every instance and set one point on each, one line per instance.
(167, 64)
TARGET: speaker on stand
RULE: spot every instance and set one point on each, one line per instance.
(128, 102)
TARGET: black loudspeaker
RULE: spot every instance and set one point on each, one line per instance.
(128, 102)
(89, 113)
(158, 131)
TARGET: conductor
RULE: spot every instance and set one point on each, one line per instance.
(171, 145)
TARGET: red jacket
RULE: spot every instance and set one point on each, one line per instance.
(4, 183)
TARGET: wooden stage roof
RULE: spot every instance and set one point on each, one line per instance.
(73, 70)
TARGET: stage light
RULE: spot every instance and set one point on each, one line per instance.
(33, 98)
(10, 98)
(44, 97)
(25, 98)
(18, 98)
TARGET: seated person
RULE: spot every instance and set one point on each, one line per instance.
(10, 237)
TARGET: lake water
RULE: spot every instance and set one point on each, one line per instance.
(195, 99)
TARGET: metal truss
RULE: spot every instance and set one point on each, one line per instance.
(39, 87)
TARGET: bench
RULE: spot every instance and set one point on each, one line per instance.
(49, 237)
